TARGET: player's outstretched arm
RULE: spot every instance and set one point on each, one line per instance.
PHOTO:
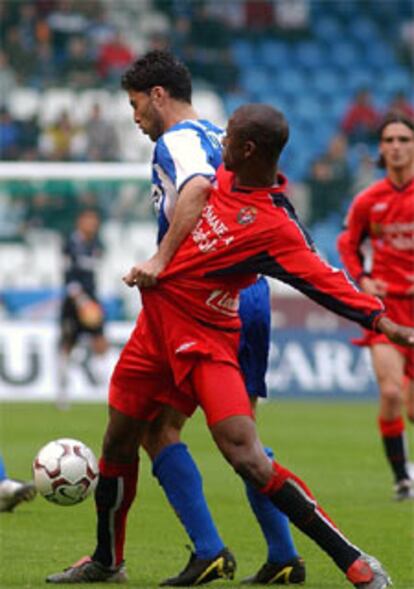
(188, 209)
(399, 334)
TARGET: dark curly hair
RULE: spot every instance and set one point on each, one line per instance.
(159, 68)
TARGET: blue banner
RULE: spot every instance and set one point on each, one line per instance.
(322, 364)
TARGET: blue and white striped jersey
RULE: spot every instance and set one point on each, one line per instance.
(190, 148)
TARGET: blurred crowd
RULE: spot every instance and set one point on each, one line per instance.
(83, 45)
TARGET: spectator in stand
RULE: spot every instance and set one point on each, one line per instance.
(63, 141)
(292, 17)
(259, 17)
(361, 119)
(191, 40)
(79, 68)
(9, 136)
(329, 181)
(337, 156)
(102, 140)
(65, 21)
(100, 30)
(29, 132)
(406, 49)
(400, 104)
(114, 56)
(22, 61)
(364, 172)
(27, 25)
(46, 72)
(8, 79)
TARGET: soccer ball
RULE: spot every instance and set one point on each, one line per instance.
(65, 471)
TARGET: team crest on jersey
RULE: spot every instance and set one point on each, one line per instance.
(246, 215)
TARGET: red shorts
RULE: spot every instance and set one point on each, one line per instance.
(172, 360)
(401, 311)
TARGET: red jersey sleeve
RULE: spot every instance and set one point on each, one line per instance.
(288, 254)
(356, 231)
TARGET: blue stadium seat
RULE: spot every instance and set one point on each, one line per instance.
(344, 54)
(274, 54)
(254, 80)
(361, 77)
(379, 55)
(308, 107)
(232, 102)
(328, 29)
(363, 30)
(292, 83)
(243, 53)
(326, 81)
(309, 54)
(396, 80)
(325, 234)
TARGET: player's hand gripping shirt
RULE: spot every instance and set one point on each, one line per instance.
(385, 215)
(190, 148)
(244, 231)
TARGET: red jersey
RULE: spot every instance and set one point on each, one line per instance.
(244, 231)
(384, 214)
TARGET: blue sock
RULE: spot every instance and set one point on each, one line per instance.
(3, 474)
(273, 523)
(180, 478)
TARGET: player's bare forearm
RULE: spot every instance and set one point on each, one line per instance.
(187, 211)
(399, 334)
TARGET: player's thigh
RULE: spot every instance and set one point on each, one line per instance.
(409, 398)
(220, 390)
(163, 431)
(388, 365)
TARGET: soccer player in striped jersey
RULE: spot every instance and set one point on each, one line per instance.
(384, 215)
(186, 155)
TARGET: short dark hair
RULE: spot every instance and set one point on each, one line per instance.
(266, 126)
(390, 118)
(159, 68)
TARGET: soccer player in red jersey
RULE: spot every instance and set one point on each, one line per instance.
(384, 215)
(183, 351)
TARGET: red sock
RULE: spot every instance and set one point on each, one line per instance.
(392, 433)
(290, 494)
(114, 495)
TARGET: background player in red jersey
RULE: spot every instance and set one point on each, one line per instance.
(384, 214)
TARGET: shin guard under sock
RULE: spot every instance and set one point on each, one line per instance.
(393, 438)
(294, 498)
(114, 495)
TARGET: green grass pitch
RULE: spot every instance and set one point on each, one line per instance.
(333, 446)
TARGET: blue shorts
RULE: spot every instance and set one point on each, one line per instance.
(255, 336)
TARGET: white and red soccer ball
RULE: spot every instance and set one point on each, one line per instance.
(65, 471)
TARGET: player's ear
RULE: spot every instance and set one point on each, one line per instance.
(158, 94)
(249, 148)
